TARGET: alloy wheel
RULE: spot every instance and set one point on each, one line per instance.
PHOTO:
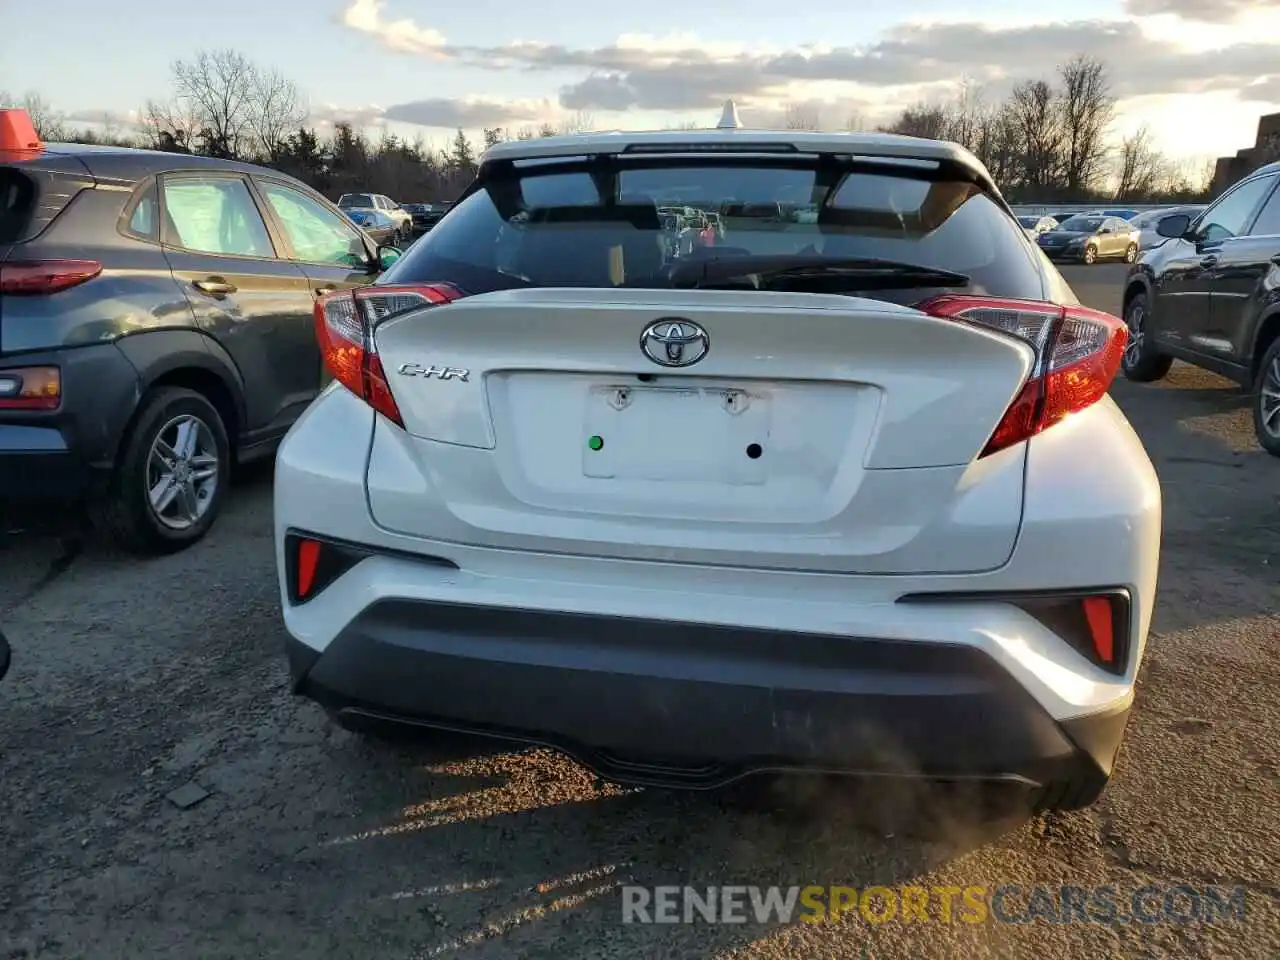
(1135, 319)
(182, 472)
(1269, 398)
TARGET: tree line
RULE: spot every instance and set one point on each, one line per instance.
(1052, 139)
(1049, 140)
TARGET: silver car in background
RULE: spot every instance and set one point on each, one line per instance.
(1035, 225)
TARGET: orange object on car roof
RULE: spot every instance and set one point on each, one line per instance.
(18, 133)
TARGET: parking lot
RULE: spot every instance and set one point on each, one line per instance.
(134, 679)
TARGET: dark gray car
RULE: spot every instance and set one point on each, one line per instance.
(155, 326)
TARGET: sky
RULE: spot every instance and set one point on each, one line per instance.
(1198, 73)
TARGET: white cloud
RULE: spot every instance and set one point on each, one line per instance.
(682, 72)
(1213, 11)
(358, 117)
(402, 36)
(471, 113)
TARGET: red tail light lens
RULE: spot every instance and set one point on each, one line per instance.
(345, 322)
(42, 277)
(1078, 354)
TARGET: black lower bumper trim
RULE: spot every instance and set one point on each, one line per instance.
(680, 704)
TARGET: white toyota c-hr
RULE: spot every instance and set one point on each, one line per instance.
(840, 488)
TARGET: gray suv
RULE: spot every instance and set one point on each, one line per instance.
(155, 327)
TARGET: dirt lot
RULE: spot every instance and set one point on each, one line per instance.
(134, 679)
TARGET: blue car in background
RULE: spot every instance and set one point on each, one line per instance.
(380, 227)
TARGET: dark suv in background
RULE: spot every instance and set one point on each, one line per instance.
(1211, 296)
(155, 326)
(425, 215)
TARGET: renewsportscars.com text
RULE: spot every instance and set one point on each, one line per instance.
(1004, 903)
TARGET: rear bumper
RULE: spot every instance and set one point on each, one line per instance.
(67, 454)
(657, 702)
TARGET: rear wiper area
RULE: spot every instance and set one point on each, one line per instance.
(809, 272)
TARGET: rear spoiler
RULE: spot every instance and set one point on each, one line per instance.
(937, 169)
(953, 180)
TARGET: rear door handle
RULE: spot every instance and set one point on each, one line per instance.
(1209, 261)
(214, 286)
(327, 288)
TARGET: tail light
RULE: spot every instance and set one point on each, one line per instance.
(40, 277)
(30, 388)
(1078, 354)
(345, 322)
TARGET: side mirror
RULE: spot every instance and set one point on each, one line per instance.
(1174, 226)
(388, 255)
(4, 656)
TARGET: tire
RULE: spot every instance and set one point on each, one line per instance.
(1090, 255)
(1131, 253)
(1266, 400)
(126, 514)
(1141, 362)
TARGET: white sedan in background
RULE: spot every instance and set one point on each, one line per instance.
(1034, 226)
(847, 496)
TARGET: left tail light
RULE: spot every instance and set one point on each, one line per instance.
(344, 324)
(1078, 354)
(42, 277)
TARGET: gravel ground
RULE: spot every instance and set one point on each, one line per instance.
(135, 679)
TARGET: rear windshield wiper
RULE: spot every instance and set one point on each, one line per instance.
(809, 271)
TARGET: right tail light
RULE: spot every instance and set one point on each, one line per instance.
(1078, 354)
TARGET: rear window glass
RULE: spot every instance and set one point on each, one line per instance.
(17, 198)
(1082, 224)
(144, 221)
(356, 200)
(575, 228)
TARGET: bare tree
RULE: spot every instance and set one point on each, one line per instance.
(276, 110)
(49, 125)
(580, 122)
(1141, 167)
(547, 130)
(800, 117)
(997, 145)
(1036, 122)
(526, 133)
(1087, 110)
(964, 115)
(170, 125)
(921, 120)
(219, 87)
